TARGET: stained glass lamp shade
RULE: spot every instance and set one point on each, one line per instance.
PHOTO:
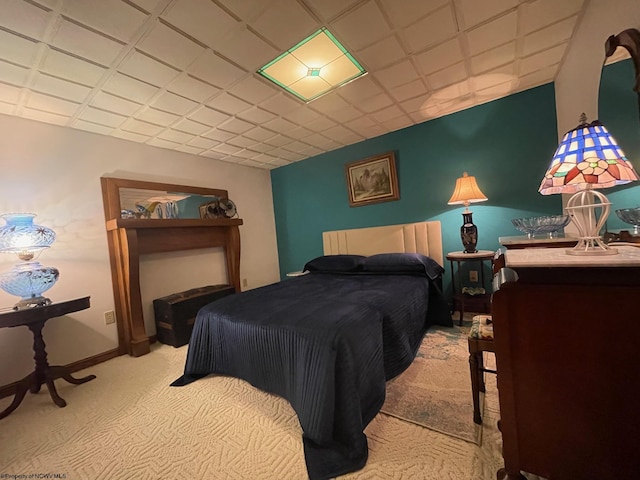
(588, 158)
(466, 192)
(29, 279)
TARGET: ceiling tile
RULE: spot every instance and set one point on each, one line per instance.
(431, 30)
(74, 39)
(166, 44)
(215, 70)
(409, 90)
(59, 88)
(208, 116)
(235, 125)
(541, 60)
(72, 68)
(474, 12)
(538, 77)
(134, 137)
(362, 26)
(541, 13)
(192, 88)
(359, 90)
(25, 18)
(189, 149)
(142, 67)
(279, 125)
(205, 143)
(492, 34)
(189, 126)
(493, 58)
(280, 104)
(328, 9)
(256, 115)
(441, 56)
(548, 37)
(448, 76)
(398, 74)
(320, 124)
(50, 104)
(404, 13)
(219, 135)
(381, 54)
(376, 103)
(253, 90)
(415, 104)
(299, 133)
(46, 117)
(201, 19)
(140, 127)
(13, 74)
(109, 102)
(147, 5)
(17, 49)
(259, 133)
(162, 143)
(228, 104)
(345, 114)
(285, 23)
(9, 93)
(241, 141)
(92, 127)
(226, 148)
(176, 136)
(157, 117)
(113, 17)
(130, 88)
(101, 117)
(214, 154)
(301, 115)
(246, 49)
(172, 103)
(278, 141)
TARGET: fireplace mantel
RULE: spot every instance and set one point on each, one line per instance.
(129, 238)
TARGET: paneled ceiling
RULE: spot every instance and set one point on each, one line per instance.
(180, 74)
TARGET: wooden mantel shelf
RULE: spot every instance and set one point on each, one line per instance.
(116, 223)
(131, 237)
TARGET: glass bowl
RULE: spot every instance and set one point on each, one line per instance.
(549, 225)
(630, 216)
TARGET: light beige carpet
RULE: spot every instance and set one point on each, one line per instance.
(129, 423)
(435, 391)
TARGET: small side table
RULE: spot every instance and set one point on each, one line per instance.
(479, 303)
(35, 318)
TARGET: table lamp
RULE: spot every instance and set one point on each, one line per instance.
(466, 192)
(29, 279)
(588, 158)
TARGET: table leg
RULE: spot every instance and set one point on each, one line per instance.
(63, 372)
(21, 390)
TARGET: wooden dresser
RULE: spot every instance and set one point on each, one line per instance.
(568, 373)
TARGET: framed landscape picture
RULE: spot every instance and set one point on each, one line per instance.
(372, 180)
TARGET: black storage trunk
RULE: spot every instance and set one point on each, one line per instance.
(175, 314)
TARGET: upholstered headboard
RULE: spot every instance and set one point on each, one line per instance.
(422, 237)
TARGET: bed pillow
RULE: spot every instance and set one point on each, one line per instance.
(403, 263)
(336, 263)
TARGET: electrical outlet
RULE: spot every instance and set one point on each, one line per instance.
(245, 283)
(109, 317)
(473, 275)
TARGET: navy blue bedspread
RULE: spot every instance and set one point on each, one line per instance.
(325, 342)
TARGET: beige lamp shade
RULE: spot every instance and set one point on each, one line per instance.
(466, 191)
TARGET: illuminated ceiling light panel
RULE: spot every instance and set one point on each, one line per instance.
(315, 66)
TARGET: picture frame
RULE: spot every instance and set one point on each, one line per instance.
(372, 180)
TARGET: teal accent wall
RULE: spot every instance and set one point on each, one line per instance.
(619, 111)
(506, 144)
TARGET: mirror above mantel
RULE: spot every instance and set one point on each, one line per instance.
(129, 238)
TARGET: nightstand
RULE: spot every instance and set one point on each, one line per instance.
(480, 302)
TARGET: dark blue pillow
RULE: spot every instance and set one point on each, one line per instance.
(336, 263)
(403, 263)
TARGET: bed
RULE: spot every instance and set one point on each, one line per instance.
(328, 340)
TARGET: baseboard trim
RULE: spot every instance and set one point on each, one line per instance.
(10, 389)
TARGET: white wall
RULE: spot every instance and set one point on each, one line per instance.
(55, 172)
(578, 81)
